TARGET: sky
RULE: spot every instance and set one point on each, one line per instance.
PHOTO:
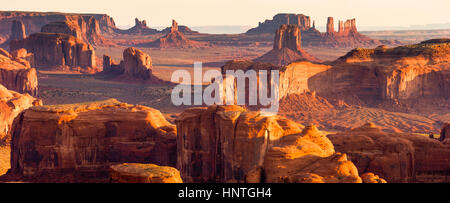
(248, 12)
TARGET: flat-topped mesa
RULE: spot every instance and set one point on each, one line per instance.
(330, 25)
(57, 51)
(269, 26)
(65, 27)
(286, 47)
(107, 133)
(17, 30)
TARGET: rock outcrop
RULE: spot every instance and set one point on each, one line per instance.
(144, 173)
(139, 28)
(286, 47)
(15, 76)
(17, 30)
(230, 144)
(445, 133)
(65, 27)
(175, 39)
(91, 26)
(396, 157)
(136, 66)
(347, 35)
(78, 142)
(57, 51)
(11, 104)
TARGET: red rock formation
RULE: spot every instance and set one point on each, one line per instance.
(399, 157)
(17, 30)
(144, 173)
(270, 26)
(347, 35)
(330, 25)
(136, 66)
(229, 144)
(175, 39)
(34, 21)
(286, 47)
(78, 142)
(445, 133)
(140, 27)
(15, 76)
(66, 27)
(11, 104)
(57, 51)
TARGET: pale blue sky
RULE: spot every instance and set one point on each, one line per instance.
(248, 12)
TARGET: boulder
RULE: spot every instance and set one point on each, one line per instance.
(144, 173)
(79, 142)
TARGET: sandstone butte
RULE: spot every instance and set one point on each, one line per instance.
(346, 36)
(79, 142)
(175, 39)
(144, 173)
(135, 66)
(11, 104)
(396, 157)
(230, 144)
(287, 47)
(16, 74)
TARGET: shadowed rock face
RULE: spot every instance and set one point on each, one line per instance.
(63, 27)
(286, 47)
(137, 63)
(230, 144)
(396, 157)
(78, 142)
(11, 104)
(17, 30)
(56, 51)
(15, 76)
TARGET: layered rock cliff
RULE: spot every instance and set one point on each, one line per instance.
(230, 144)
(16, 76)
(57, 51)
(399, 157)
(11, 104)
(78, 142)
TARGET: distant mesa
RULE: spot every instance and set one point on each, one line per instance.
(140, 27)
(346, 36)
(58, 51)
(175, 39)
(135, 66)
(287, 47)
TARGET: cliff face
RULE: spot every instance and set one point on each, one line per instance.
(15, 76)
(58, 51)
(11, 104)
(395, 157)
(270, 26)
(34, 21)
(78, 142)
(140, 27)
(286, 47)
(229, 144)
